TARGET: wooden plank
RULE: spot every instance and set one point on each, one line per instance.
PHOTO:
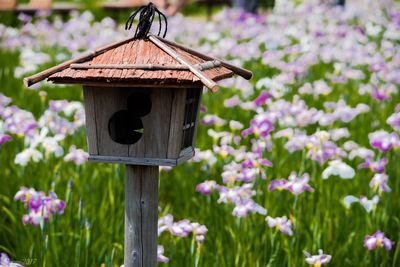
(205, 80)
(154, 142)
(177, 117)
(130, 84)
(141, 213)
(90, 115)
(107, 102)
(133, 161)
(198, 95)
(202, 66)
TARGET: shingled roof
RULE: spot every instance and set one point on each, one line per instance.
(141, 62)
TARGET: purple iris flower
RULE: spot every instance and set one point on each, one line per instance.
(374, 166)
(383, 140)
(39, 206)
(282, 224)
(294, 184)
(259, 126)
(394, 121)
(206, 187)
(317, 260)
(262, 98)
(377, 240)
(379, 182)
(4, 138)
(6, 261)
(160, 255)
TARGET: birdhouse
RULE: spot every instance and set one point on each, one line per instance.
(141, 102)
(142, 98)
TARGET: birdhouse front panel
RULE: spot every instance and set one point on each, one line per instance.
(150, 126)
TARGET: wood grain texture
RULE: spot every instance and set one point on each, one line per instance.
(134, 161)
(90, 115)
(177, 117)
(154, 142)
(107, 102)
(198, 95)
(136, 52)
(141, 212)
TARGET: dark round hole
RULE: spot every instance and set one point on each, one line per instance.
(125, 127)
(139, 103)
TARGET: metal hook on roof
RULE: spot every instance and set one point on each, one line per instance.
(146, 18)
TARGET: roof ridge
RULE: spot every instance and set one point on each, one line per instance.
(178, 57)
(238, 70)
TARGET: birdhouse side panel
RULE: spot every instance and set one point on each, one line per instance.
(156, 125)
(192, 107)
(177, 118)
(90, 115)
(197, 105)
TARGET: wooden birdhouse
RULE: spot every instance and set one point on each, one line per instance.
(141, 102)
(142, 98)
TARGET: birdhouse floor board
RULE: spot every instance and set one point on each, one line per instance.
(135, 161)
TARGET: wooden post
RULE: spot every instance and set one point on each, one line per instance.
(141, 212)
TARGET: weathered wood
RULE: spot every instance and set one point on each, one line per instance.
(203, 66)
(90, 114)
(134, 161)
(28, 81)
(136, 83)
(107, 102)
(140, 52)
(198, 95)
(240, 71)
(141, 212)
(154, 142)
(177, 117)
(207, 81)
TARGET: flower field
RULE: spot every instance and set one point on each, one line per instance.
(298, 166)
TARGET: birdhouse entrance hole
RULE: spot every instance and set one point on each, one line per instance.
(126, 126)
